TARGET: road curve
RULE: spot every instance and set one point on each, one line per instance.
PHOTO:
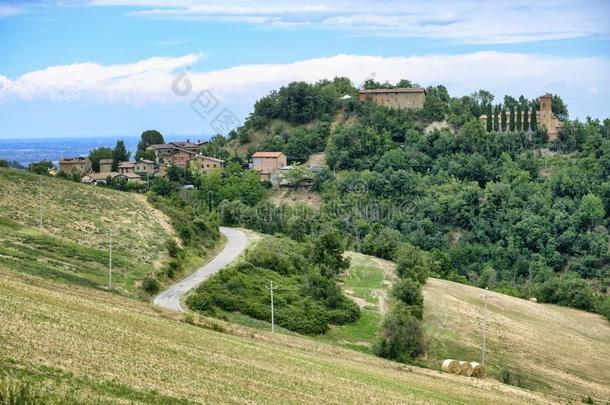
(236, 244)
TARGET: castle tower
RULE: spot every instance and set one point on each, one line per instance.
(546, 118)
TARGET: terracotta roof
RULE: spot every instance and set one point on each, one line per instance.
(126, 164)
(399, 90)
(267, 154)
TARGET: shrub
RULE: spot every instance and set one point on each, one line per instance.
(150, 285)
(412, 263)
(409, 293)
(401, 336)
(172, 247)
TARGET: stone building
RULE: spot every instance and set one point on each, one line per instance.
(402, 98)
(75, 165)
(145, 166)
(126, 167)
(105, 165)
(268, 163)
(544, 117)
(207, 163)
(180, 158)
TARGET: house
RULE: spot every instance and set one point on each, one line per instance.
(207, 163)
(401, 98)
(105, 165)
(145, 166)
(544, 117)
(180, 158)
(75, 165)
(126, 167)
(178, 153)
(267, 164)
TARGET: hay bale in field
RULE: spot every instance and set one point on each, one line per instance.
(533, 299)
(478, 370)
(451, 366)
(465, 368)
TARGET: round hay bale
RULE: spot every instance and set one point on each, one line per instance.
(533, 299)
(478, 370)
(451, 366)
(465, 368)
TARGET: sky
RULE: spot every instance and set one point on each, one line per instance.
(118, 67)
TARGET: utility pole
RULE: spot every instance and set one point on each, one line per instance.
(271, 288)
(485, 297)
(110, 265)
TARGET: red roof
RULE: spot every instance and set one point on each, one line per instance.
(267, 154)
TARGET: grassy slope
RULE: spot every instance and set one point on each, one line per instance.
(73, 245)
(544, 347)
(92, 346)
(368, 287)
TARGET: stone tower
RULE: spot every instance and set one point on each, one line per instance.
(546, 118)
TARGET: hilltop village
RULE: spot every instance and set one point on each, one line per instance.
(273, 166)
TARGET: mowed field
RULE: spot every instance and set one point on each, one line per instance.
(547, 348)
(78, 220)
(77, 344)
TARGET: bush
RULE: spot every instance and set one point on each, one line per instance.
(401, 336)
(412, 263)
(150, 285)
(172, 247)
(409, 293)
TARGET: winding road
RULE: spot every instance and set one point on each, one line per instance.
(236, 244)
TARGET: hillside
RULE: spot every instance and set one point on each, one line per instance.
(78, 344)
(544, 347)
(77, 220)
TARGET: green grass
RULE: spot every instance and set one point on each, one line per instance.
(72, 246)
(78, 345)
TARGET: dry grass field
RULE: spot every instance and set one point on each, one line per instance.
(541, 347)
(72, 246)
(80, 345)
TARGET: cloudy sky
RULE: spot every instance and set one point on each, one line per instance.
(117, 67)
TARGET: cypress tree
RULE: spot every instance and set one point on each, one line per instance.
(511, 119)
(519, 120)
(503, 118)
(534, 121)
(497, 118)
(526, 122)
(489, 118)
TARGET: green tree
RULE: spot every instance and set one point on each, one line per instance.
(148, 138)
(534, 121)
(328, 253)
(41, 167)
(119, 154)
(591, 211)
(511, 119)
(489, 121)
(503, 118)
(296, 175)
(97, 154)
(519, 123)
(559, 108)
(412, 263)
(400, 336)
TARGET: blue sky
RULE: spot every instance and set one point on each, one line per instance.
(106, 67)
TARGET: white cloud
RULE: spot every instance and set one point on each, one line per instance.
(150, 81)
(468, 21)
(7, 10)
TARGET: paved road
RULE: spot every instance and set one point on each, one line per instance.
(236, 243)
